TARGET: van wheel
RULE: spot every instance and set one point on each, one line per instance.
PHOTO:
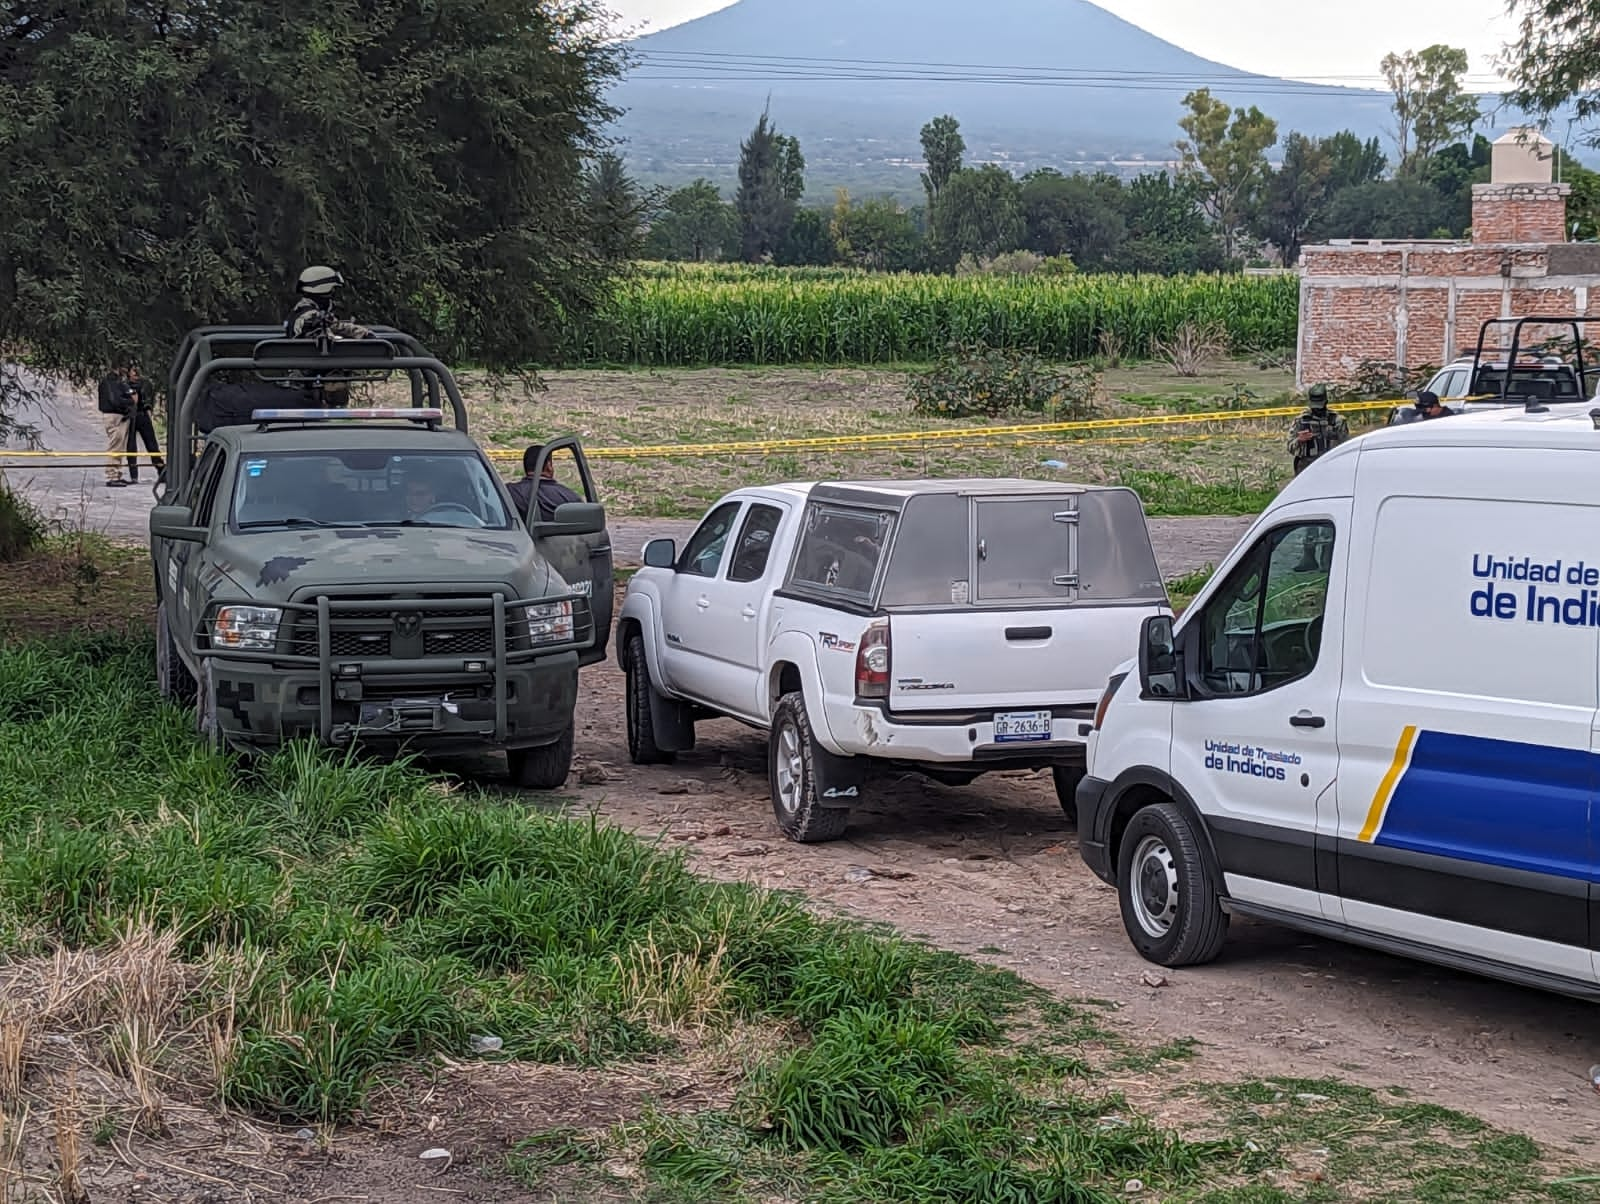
(545, 767)
(642, 746)
(1170, 906)
(791, 768)
(1066, 778)
(173, 678)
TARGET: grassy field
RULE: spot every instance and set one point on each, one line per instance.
(720, 314)
(1232, 468)
(295, 942)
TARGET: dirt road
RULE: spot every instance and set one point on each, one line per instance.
(992, 870)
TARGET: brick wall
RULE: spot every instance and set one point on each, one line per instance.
(1513, 213)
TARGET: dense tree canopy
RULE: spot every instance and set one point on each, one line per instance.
(178, 162)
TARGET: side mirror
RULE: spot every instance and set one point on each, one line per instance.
(572, 518)
(174, 522)
(1158, 659)
(660, 554)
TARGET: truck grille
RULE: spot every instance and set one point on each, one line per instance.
(372, 633)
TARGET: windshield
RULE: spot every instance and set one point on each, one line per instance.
(368, 488)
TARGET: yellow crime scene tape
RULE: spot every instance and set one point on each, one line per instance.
(954, 437)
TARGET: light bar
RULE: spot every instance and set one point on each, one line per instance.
(411, 413)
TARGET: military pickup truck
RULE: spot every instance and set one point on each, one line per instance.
(362, 575)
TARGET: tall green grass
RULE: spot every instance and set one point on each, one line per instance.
(382, 917)
(726, 315)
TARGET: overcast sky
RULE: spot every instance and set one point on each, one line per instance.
(1275, 37)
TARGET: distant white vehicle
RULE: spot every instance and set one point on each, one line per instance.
(952, 627)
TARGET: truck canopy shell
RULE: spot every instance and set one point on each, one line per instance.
(975, 543)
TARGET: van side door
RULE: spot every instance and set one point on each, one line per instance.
(584, 561)
(1254, 742)
(1468, 725)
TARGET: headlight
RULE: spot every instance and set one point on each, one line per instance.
(550, 623)
(253, 628)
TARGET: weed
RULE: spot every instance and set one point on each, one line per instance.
(1193, 346)
(974, 379)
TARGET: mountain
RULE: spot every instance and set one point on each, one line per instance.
(1033, 82)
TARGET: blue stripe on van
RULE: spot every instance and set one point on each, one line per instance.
(1522, 806)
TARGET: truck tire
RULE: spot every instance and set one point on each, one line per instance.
(1170, 904)
(1066, 779)
(642, 746)
(173, 678)
(792, 773)
(545, 767)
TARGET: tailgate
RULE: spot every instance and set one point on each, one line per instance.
(1008, 659)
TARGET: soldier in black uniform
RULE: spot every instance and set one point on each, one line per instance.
(1317, 430)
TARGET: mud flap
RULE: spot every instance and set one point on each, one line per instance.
(840, 781)
(671, 723)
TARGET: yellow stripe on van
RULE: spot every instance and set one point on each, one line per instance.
(1380, 801)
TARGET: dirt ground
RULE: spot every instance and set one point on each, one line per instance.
(992, 870)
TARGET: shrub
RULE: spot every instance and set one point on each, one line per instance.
(1192, 346)
(974, 379)
(22, 526)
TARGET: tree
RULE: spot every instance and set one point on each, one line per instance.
(177, 163)
(876, 233)
(809, 242)
(1555, 60)
(769, 165)
(1352, 161)
(979, 213)
(1402, 208)
(617, 208)
(942, 148)
(1167, 233)
(791, 168)
(1294, 195)
(1430, 107)
(694, 224)
(1076, 215)
(1228, 158)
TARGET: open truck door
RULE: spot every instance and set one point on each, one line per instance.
(577, 543)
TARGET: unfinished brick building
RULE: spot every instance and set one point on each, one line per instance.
(1419, 304)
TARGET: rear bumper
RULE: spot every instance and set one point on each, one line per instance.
(1093, 837)
(960, 739)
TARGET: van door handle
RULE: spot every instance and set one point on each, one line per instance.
(702, 602)
(1303, 720)
(1028, 633)
(749, 612)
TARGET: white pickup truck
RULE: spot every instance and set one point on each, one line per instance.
(951, 627)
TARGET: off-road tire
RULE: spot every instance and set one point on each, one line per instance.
(172, 676)
(1066, 779)
(642, 746)
(1159, 865)
(545, 767)
(804, 820)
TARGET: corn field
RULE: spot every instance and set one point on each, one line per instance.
(722, 314)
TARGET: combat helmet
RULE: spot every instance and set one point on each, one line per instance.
(319, 283)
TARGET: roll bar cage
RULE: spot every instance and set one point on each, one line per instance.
(1571, 321)
(264, 351)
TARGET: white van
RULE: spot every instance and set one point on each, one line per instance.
(1379, 720)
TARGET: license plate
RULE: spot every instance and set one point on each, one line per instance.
(1014, 726)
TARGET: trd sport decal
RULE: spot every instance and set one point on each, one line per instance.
(829, 640)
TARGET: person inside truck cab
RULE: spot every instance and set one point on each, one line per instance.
(550, 492)
(1429, 405)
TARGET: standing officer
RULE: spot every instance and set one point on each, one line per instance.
(1317, 430)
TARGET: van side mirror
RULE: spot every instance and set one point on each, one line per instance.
(175, 522)
(1158, 659)
(660, 554)
(572, 518)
